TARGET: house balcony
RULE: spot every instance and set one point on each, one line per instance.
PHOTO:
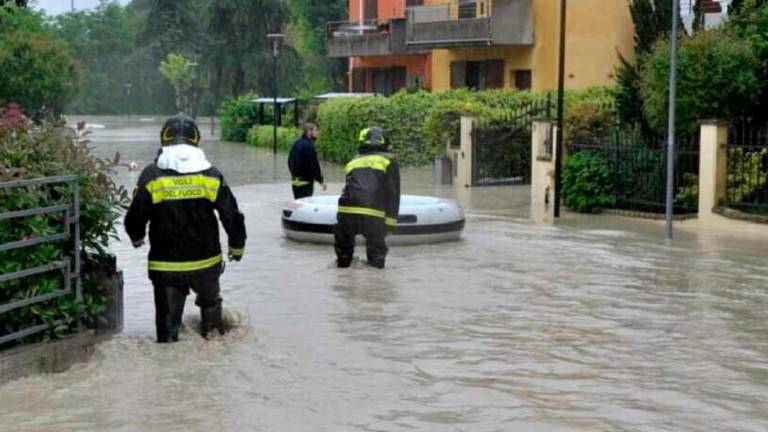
(468, 23)
(368, 38)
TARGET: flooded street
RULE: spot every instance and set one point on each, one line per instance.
(596, 324)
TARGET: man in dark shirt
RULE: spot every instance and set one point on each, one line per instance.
(303, 164)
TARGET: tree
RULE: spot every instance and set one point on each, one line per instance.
(240, 55)
(749, 24)
(652, 21)
(307, 33)
(102, 41)
(738, 6)
(717, 78)
(36, 70)
(180, 71)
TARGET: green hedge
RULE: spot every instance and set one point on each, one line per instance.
(238, 115)
(419, 124)
(262, 136)
(587, 182)
(51, 150)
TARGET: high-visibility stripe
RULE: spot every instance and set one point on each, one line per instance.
(375, 162)
(185, 266)
(299, 182)
(183, 188)
(391, 222)
(364, 211)
(236, 251)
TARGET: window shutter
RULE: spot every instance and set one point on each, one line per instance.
(371, 9)
(458, 74)
(494, 74)
(358, 80)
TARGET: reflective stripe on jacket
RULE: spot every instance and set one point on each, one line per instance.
(181, 212)
(372, 185)
(303, 163)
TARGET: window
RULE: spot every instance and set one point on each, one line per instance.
(467, 9)
(477, 75)
(412, 3)
(371, 9)
(384, 81)
(522, 79)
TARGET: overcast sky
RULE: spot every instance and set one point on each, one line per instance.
(55, 7)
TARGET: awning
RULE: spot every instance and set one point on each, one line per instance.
(344, 95)
(280, 100)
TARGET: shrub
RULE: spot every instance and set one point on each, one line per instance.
(717, 78)
(48, 151)
(262, 136)
(401, 116)
(238, 115)
(36, 72)
(587, 184)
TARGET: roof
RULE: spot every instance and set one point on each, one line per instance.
(344, 95)
(280, 100)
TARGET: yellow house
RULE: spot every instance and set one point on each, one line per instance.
(485, 44)
(514, 43)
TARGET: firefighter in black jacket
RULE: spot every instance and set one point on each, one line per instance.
(303, 164)
(370, 202)
(177, 196)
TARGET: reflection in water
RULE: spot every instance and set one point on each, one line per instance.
(594, 324)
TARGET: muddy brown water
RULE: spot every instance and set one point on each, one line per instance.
(596, 324)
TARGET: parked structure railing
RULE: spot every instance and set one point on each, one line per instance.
(69, 267)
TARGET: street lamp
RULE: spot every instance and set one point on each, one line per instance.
(672, 111)
(192, 98)
(127, 92)
(277, 41)
(560, 111)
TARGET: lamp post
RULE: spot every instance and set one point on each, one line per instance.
(192, 91)
(672, 111)
(560, 111)
(277, 39)
(127, 92)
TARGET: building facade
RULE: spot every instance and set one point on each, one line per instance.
(479, 44)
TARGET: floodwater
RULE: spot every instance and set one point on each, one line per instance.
(595, 324)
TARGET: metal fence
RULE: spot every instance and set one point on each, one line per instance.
(501, 150)
(637, 163)
(748, 167)
(68, 267)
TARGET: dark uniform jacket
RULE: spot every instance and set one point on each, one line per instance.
(183, 230)
(303, 163)
(372, 185)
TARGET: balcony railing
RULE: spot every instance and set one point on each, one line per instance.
(361, 38)
(470, 23)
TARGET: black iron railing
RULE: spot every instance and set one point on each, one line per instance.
(501, 149)
(637, 162)
(747, 189)
(69, 268)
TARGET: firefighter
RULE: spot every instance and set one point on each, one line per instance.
(303, 164)
(370, 202)
(177, 195)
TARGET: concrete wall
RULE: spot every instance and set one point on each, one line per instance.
(542, 170)
(597, 30)
(414, 64)
(386, 9)
(50, 357)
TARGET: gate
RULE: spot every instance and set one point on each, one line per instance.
(68, 267)
(501, 150)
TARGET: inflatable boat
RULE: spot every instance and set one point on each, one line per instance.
(422, 220)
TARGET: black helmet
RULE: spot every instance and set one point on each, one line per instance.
(373, 136)
(180, 129)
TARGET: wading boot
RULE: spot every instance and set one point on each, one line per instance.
(211, 320)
